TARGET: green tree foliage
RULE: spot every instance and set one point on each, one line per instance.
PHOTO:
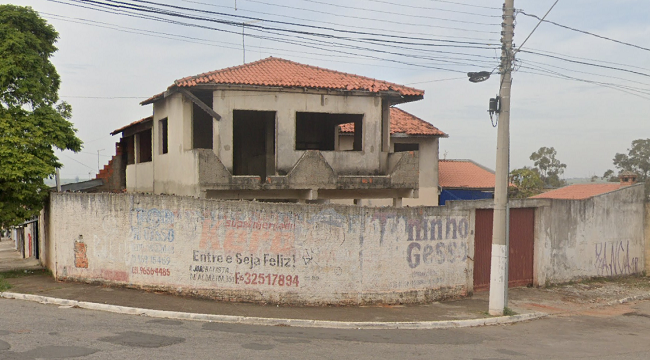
(637, 160)
(548, 166)
(527, 182)
(610, 176)
(32, 120)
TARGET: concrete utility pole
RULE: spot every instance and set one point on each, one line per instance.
(500, 248)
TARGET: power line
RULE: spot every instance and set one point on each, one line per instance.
(584, 63)
(101, 7)
(296, 24)
(372, 19)
(592, 60)
(465, 4)
(584, 72)
(336, 24)
(436, 9)
(400, 14)
(536, 26)
(617, 87)
(587, 32)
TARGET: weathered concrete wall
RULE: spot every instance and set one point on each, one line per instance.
(139, 177)
(284, 253)
(286, 104)
(600, 236)
(175, 172)
(646, 238)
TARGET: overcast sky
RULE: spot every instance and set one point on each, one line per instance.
(110, 62)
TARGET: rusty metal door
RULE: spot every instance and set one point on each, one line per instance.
(522, 237)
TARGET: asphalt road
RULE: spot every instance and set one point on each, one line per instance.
(34, 331)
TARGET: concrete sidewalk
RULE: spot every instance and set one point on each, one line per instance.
(472, 311)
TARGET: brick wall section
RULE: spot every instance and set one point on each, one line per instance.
(114, 173)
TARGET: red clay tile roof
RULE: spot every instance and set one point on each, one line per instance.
(402, 122)
(148, 118)
(578, 191)
(457, 174)
(278, 72)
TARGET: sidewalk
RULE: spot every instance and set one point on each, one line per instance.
(528, 302)
(10, 259)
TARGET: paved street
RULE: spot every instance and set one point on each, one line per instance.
(35, 331)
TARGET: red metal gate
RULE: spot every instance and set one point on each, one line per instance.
(520, 266)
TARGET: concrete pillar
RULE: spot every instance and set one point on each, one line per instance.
(358, 202)
(397, 202)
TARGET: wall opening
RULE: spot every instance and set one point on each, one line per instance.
(202, 122)
(129, 148)
(144, 146)
(254, 143)
(402, 147)
(164, 136)
(319, 131)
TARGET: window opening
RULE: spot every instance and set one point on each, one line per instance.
(254, 143)
(202, 122)
(319, 131)
(401, 147)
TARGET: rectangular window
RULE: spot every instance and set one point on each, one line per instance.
(400, 147)
(318, 131)
(164, 136)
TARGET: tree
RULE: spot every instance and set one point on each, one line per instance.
(610, 176)
(527, 182)
(637, 160)
(548, 166)
(32, 120)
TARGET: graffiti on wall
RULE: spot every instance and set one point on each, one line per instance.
(436, 240)
(152, 242)
(613, 258)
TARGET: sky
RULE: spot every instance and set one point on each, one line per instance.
(109, 62)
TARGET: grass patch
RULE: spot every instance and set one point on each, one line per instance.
(12, 274)
(4, 285)
(508, 311)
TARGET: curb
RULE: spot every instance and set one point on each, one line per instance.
(232, 319)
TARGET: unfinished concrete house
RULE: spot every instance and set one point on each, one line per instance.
(408, 133)
(271, 130)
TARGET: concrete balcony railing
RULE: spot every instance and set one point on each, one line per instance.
(313, 173)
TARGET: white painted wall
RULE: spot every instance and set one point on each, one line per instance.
(332, 254)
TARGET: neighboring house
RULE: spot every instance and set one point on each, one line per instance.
(465, 180)
(269, 130)
(586, 191)
(408, 133)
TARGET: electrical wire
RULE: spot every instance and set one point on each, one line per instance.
(585, 63)
(373, 19)
(586, 32)
(337, 24)
(393, 13)
(435, 9)
(465, 4)
(536, 26)
(121, 11)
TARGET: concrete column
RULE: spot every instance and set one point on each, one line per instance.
(397, 202)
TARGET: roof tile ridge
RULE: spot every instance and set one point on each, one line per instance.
(231, 68)
(352, 75)
(418, 118)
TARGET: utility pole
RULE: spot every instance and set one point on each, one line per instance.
(500, 243)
